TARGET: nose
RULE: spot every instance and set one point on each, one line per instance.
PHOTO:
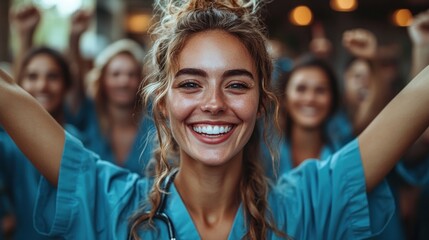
(214, 102)
(310, 96)
(42, 83)
(123, 80)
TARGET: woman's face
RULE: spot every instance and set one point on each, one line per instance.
(212, 103)
(356, 82)
(308, 97)
(121, 81)
(44, 80)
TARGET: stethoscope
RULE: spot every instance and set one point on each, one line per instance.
(160, 214)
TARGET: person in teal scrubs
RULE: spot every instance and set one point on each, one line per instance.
(308, 98)
(110, 114)
(208, 85)
(6, 215)
(45, 75)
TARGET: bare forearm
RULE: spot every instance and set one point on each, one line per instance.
(35, 132)
(395, 129)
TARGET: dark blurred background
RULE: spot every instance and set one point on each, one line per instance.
(115, 19)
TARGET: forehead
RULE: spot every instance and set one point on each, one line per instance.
(43, 61)
(122, 59)
(312, 75)
(215, 50)
(359, 65)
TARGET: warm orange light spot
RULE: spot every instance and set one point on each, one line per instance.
(139, 23)
(402, 17)
(344, 5)
(301, 16)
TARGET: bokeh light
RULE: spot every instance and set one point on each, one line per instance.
(139, 22)
(402, 17)
(301, 16)
(344, 5)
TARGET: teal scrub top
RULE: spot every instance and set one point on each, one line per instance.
(5, 207)
(417, 175)
(285, 163)
(285, 155)
(21, 181)
(318, 200)
(340, 128)
(140, 152)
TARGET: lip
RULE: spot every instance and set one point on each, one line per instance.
(215, 139)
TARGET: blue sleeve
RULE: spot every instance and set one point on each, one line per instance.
(84, 116)
(93, 199)
(416, 175)
(5, 204)
(328, 199)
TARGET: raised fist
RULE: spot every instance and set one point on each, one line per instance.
(360, 42)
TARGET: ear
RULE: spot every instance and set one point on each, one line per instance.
(260, 111)
(162, 106)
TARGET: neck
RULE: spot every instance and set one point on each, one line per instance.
(119, 115)
(58, 115)
(305, 143)
(210, 193)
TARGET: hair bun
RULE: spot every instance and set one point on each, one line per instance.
(176, 8)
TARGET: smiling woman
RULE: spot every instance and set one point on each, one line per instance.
(308, 98)
(211, 71)
(213, 88)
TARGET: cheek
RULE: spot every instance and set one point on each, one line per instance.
(290, 99)
(326, 102)
(178, 107)
(108, 83)
(58, 87)
(245, 108)
(27, 85)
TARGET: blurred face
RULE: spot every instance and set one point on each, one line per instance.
(212, 103)
(308, 97)
(44, 81)
(122, 79)
(356, 82)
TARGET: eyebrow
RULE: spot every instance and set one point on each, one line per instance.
(191, 71)
(237, 72)
(201, 73)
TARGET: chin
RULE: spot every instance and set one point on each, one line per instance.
(212, 159)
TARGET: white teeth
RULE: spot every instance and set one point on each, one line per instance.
(42, 99)
(212, 130)
(309, 110)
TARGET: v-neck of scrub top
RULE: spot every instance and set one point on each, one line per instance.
(285, 156)
(139, 153)
(184, 225)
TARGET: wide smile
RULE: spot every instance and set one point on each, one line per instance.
(43, 98)
(212, 133)
(308, 111)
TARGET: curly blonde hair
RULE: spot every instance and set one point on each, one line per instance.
(179, 21)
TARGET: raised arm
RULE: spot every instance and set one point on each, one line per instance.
(24, 20)
(419, 35)
(320, 45)
(395, 129)
(362, 44)
(79, 24)
(34, 131)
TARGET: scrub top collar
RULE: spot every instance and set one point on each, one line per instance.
(183, 224)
